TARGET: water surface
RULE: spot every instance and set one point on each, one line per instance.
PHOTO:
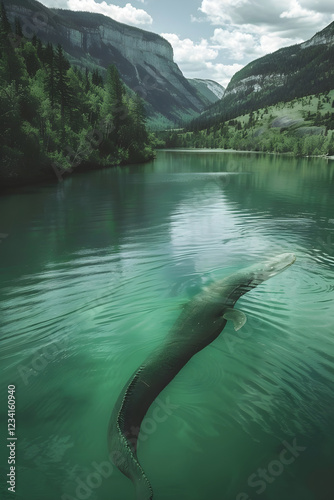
(94, 272)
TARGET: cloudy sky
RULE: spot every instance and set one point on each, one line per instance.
(215, 38)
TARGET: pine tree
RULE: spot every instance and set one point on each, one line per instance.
(5, 32)
(116, 91)
(115, 84)
(48, 54)
(97, 78)
(18, 28)
(32, 61)
(87, 80)
(62, 88)
(4, 23)
(11, 63)
(139, 120)
(50, 80)
(39, 48)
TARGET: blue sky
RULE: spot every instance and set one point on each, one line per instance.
(215, 38)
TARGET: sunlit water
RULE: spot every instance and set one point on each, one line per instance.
(95, 270)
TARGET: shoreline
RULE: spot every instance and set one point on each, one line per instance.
(218, 150)
(49, 176)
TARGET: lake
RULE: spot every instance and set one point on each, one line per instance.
(94, 272)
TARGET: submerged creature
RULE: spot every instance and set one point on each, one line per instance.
(200, 322)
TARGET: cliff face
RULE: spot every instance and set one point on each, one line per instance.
(324, 37)
(275, 70)
(143, 59)
(210, 90)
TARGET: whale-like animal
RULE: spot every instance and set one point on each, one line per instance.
(200, 322)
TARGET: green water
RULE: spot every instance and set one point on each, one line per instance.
(94, 271)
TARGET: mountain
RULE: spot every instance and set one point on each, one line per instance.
(210, 90)
(143, 59)
(292, 72)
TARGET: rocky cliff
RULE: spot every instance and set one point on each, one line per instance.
(324, 37)
(143, 59)
(208, 89)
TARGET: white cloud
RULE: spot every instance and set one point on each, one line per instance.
(293, 19)
(235, 43)
(196, 59)
(271, 43)
(223, 11)
(128, 14)
(246, 30)
(249, 29)
(186, 51)
(195, 19)
(235, 47)
(241, 46)
(221, 73)
(296, 11)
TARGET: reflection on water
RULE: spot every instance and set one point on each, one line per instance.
(94, 273)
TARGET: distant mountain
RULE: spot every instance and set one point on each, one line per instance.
(210, 90)
(296, 71)
(143, 59)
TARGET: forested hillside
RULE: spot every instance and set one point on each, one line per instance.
(55, 118)
(289, 73)
(143, 59)
(303, 127)
(282, 102)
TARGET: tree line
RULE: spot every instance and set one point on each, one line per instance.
(255, 131)
(55, 115)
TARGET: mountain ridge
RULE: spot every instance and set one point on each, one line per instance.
(210, 85)
(143, 59)
(288, 73)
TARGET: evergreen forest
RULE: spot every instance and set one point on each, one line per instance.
(56, 117)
